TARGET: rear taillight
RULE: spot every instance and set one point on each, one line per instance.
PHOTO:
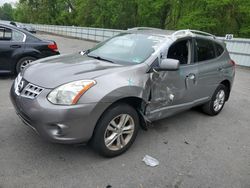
(232, 63)
(53, 46)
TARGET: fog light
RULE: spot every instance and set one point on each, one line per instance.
(58, 129)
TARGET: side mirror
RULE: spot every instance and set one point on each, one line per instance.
(169, 65)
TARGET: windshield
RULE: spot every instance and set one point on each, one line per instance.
(126, 48)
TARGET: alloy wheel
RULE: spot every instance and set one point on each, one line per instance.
(219, 100)
(119, 132)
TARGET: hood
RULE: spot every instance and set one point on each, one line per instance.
(54, 71)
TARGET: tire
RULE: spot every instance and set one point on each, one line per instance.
(217, 102)
(110, 146)
(23, 62)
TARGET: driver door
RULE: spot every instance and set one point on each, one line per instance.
(173, 91)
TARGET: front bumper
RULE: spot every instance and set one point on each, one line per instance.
(58, 123)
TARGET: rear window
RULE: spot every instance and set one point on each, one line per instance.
(205, 50)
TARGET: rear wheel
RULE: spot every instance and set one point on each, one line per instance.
(116, 130)
(23, 62)
(216, 104)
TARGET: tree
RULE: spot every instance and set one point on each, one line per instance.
(218, 17)
(6, 12)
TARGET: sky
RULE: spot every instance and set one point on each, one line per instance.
(7, 1)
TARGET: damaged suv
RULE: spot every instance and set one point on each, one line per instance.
(103, 95)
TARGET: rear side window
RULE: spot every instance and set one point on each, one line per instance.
(11, 35)
(219, 49)
(17, 36)
(204, 50)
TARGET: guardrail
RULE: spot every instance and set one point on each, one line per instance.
(87, 33)
(238, 48)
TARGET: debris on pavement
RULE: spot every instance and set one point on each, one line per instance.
(186, 142)
(150, 161)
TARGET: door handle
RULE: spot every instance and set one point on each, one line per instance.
(192, 77)
(220, 69)
(15, 46)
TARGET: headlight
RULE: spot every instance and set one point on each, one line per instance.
(70, 93)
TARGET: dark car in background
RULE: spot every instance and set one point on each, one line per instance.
(26, 27)
(30, 29)
(19, 47)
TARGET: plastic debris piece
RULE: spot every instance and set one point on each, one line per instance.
(186, 142)
(82, 52)
(165, 142)
(150, 161)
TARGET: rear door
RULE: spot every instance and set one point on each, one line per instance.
(12, 43)
(209, 67)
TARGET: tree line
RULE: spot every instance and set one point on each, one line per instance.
(218, 17)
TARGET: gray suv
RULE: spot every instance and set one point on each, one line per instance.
(103, 95)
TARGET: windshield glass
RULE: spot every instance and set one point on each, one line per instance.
(126, 48)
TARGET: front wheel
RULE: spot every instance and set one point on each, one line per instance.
(116, 130)
(216, 104)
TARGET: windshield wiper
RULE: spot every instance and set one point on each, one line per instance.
(100, 58)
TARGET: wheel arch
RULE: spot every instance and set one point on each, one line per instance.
(21, 57)
(136, 102)
(28, 53)
(227, 84)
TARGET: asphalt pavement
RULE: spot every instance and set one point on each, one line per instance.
(194, 150)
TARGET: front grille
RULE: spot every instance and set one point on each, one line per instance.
(31, 91)
(25, 89)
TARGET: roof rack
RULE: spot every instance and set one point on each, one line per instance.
(192, 32)
(185, 32)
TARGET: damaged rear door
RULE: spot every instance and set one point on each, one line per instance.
(173, 91)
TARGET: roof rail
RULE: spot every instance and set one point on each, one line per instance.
(191, 32)
(143, 28)
(202, 33)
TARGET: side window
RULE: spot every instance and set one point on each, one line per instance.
(205, 50)
(9, 35)
(5, 34)
(17, 36)
(219, 49)
(180, 51)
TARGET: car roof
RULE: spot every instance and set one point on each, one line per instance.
(150, 30)
(171, 33)
(13, 27)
